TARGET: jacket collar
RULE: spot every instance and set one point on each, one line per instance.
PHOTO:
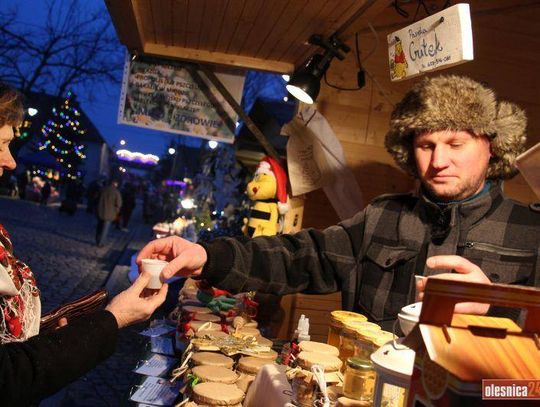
(462, 214)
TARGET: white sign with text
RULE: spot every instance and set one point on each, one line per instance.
(439, 41)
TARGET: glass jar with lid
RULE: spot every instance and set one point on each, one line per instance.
(347, 339)
(382, 338)
(363, 346)
(359, 380)
(337, 318)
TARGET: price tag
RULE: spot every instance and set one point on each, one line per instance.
(156, 365)
(156, 391)
(162, 344)
(157, 330)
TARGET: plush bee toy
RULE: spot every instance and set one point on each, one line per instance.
(268, 190)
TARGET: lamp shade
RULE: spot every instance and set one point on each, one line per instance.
(304, 87)
(305, 82)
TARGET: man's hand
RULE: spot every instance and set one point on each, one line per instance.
(466, 271)
(185, 258)
(130, 306)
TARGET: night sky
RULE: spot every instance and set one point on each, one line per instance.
(103, 110)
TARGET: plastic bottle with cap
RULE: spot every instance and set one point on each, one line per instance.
(302, 331)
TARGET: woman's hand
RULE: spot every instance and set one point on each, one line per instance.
(132, 306)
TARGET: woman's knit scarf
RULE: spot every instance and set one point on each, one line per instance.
(20, 305)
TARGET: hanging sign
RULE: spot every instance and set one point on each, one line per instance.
(178, 98)
(439, 41)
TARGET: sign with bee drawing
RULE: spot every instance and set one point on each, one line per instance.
(439, 41)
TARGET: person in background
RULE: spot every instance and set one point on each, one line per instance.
(129, 198)
(454, 136)
(109, 204)
(92, 195)
(13, 187)
(22, 182)
(34, 365)
(45, 193)
(72, 197)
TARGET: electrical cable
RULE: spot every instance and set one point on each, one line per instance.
(403, 13)
(339, 88)
(360, 77)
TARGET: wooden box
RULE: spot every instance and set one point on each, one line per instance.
(454, 353)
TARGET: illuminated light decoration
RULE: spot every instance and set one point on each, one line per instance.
(23, 130)
(60, 135)
(187, 203)
(32, 111)
(132, 156)
(212, 144)
(176, 183)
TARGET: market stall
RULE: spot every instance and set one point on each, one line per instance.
(351, 140)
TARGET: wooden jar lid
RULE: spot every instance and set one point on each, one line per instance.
(215, 374)
(212, 359)
(310, 346)
(251, 365)
(268, 355)
(330, 363)
(217, 394)
(262, 341)
(206, 318)
(196, 310)
(189, 293)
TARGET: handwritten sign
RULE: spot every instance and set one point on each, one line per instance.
(439, 41)
(178, 98)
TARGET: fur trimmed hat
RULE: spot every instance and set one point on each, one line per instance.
(457, 103)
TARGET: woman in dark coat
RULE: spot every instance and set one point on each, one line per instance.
(34, 365)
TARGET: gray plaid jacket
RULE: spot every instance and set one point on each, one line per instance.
(373, 257)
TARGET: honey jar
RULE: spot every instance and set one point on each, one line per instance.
(381, 338)
(359, 380)
(337, 318)
(363, 346)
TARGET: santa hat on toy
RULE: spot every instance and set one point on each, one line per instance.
(269, 165)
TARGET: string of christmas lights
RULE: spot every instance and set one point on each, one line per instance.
(60, 136)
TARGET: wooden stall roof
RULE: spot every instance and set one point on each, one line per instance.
(255, 34)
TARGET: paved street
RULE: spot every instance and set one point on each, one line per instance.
(60, 250)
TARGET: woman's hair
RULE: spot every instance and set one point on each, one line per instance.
(11, 106)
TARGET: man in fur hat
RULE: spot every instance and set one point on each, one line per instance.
(453, 135)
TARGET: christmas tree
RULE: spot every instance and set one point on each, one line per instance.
(61, 137)
(220, 184)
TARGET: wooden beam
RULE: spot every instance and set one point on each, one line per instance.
(243, 115)
(360, 19)
(218, 58)
(126, 24)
